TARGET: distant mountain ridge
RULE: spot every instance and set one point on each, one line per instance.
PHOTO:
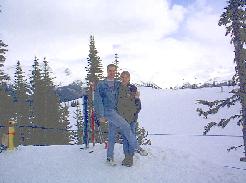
(70, 92)
(77, 88)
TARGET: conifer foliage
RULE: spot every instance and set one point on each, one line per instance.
(142, 135)
(94, 68)
(234, 19)
(47, 111)
(3, 50)
(64, 135)
(6, 107)
(40, 117)
(79, 123)
(22, 105)
(94, 73)
(6, 101)
(116, 62)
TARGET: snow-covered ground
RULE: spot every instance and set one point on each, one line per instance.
(183, 156)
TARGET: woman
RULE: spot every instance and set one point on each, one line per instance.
(128, 106)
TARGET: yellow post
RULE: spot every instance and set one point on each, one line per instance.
(11, 135)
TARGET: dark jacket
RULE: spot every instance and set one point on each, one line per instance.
(128, 106)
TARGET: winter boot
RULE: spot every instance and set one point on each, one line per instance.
(124, 160)
(128, 161)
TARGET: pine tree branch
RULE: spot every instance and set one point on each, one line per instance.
(208, 127)
(234, 147)
(214, 106)
(222, 123)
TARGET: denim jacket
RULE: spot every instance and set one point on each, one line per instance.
(105, 98)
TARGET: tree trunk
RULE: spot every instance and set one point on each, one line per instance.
(240, 67)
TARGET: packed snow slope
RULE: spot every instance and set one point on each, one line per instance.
(180, 157)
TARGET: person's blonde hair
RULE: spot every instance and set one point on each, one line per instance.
(125, 73)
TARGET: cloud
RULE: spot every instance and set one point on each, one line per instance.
(155, 40)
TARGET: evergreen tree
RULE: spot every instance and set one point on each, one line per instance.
(3, 50)
(6, 101)
(6, 104)
(51, 109)
(142, 134)
(94, 68)
(79, 123)
(51, 102)
(234, 20)
(22, 108)
(37, 99)
(116, 63)
(64, 135)
(95, 73)
(48, 114)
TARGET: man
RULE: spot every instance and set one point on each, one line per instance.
(128, 106)
(105, 100)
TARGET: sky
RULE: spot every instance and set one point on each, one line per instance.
(167, 42)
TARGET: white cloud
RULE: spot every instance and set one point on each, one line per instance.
(154, 40)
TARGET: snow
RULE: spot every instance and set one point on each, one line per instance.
(183, 156)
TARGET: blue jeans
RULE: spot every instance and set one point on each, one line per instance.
(115, 122)
(128, 150)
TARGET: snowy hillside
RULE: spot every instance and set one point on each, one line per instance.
(182, 156)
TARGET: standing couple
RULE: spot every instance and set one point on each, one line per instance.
(118, 104)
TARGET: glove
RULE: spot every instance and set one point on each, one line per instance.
(137, 94)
